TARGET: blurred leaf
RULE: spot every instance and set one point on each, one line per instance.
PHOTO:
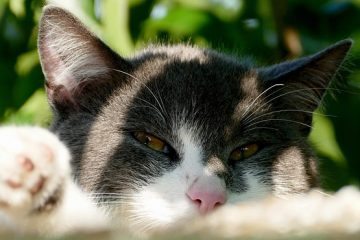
(116, 25)
(35, 111)
(26, 62)
(180, 21)
(226, 10)
(83, 10)
(18, 7)
(323, 137)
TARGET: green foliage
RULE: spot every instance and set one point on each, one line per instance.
(269, 31)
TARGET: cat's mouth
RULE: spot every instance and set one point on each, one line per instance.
(149, 213)
(144, 226)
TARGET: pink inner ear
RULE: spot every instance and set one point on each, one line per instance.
(207, 192)
(55, 69)
(60, 95)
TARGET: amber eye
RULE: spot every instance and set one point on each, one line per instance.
(152, 142)
(244, 152)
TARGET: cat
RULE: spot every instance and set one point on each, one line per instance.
(154, 140)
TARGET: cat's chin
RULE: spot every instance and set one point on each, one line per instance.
(150, 213)
(157, 224)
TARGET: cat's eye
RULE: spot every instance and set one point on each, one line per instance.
(244, 152)
(152, 142)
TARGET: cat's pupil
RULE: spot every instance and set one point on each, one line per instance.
(147, 140)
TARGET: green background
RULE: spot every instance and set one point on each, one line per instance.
(266, 30)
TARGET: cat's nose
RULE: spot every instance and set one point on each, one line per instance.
(207, 192)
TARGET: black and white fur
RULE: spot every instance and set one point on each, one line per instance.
(202, 102)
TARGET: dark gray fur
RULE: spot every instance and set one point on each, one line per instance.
(164, 87)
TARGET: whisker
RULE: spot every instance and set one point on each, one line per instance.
(151, 106)
(262, 105)
(268, 128)
(262, 93)
(111, 203)
(281, 95)
(161, 100)
(105, 193)
(280, 119)
(162, 109)
(322, 193)
(290, 110)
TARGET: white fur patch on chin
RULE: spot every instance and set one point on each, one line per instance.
(256, 189)
(159, 205)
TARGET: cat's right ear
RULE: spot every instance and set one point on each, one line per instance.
(74, 61)
(297, 87)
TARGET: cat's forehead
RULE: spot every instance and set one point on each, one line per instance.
(182, 53)
(191, 86)
(191, 66)
(179, 52)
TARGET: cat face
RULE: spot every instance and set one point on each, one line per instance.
(177, 131)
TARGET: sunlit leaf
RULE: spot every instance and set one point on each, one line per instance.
(116, 25)
(179, 21)
(26, 62)
(18, 7)
(323, 138)
(35, 111)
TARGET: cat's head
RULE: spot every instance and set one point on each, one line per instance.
(176, 131)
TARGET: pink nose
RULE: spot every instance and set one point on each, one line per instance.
(207, 195)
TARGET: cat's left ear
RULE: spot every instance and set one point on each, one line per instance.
(300, 84)
(77, 65)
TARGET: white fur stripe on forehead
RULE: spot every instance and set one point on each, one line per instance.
(193, 152)
(69, 53)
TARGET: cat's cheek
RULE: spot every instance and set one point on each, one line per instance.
(292, 161)
(161, 204)
(256, 188)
